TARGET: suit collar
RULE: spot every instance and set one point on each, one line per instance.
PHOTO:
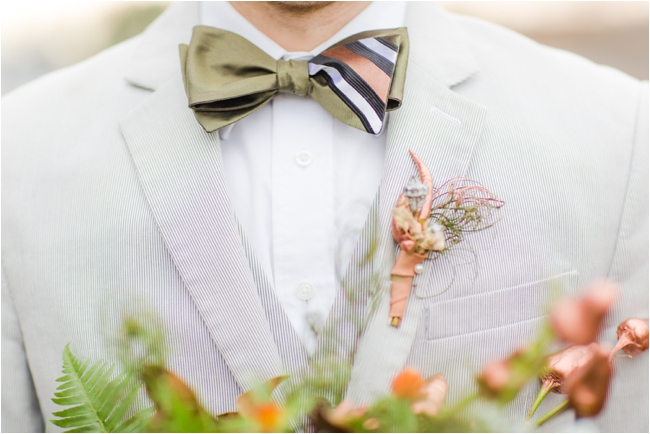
(437, 45)
(181, 173)
(156, 58)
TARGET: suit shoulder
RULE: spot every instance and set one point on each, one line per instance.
(98, 71)
(499, 48)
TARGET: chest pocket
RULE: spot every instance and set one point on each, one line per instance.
(500, 308)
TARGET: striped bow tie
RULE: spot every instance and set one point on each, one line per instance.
(357, 80)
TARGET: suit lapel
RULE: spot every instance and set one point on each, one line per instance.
(180, 169)
(441, 127)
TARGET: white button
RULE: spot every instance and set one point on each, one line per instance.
(305, 291)
(303, 159)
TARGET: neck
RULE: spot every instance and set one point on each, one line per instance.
(299, 26)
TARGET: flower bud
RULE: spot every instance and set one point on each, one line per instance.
(564, 363)
(587, 387)
(578, 320)
(434, 390)
(632, 336)
(407, 384)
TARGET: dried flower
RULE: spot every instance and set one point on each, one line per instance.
(632, 337)
(460, 206)
(578, 320)
(587, 387)
(564, 363)
(408, 384)
(434, 390)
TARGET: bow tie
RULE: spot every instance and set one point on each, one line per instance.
(356, 80)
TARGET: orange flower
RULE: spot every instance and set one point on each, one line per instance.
(578, 320)
(255, 405)
(408, 384)
(269, 416)
(632, 337)
(587, 386)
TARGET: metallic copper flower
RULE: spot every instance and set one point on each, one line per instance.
(577, 320)
(587, 387)
(564, 363)
(632, 337)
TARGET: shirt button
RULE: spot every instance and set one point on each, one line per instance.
(305, 291)
(303, 159)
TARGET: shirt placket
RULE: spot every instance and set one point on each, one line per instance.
(302, 186)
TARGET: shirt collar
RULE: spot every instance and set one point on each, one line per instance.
(378, 15)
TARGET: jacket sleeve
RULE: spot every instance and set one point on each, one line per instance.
(627, 406)
(20, 409)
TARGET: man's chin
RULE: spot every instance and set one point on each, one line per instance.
(298, 7)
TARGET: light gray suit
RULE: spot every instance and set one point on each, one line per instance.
(113, 195)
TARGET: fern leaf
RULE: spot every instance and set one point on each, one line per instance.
(98, 405)
(120, 411)
(137, 422)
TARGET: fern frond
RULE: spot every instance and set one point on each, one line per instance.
(98, 404)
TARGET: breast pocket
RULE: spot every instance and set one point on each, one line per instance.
(495, 309)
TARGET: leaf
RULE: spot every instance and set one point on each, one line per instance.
(137, 422)
(247, 402)
(99, 405)
(178, 409)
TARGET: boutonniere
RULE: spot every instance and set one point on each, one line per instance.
(429, 220)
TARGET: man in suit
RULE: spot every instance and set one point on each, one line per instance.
(247, 239)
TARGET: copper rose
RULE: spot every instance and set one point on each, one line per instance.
(578, 320)
(632, 336)
(561, 366)
(587, 387)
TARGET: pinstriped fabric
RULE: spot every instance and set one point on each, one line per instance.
(86, 227)
(293, 354)
(345, 322)
(445, 147)
(197, 223)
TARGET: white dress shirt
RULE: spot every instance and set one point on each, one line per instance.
(301, 182)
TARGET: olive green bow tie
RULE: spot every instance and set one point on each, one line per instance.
(357, 80)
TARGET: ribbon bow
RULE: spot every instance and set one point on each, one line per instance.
(357, 80)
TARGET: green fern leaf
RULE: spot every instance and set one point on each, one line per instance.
(99, 404)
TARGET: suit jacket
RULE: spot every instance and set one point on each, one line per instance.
(113, 197)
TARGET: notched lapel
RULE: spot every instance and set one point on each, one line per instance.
(180, 168)
(442, 128)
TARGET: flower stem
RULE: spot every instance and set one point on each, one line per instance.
(557, 410)
(543, 391)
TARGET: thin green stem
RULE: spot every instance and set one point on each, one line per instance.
(463, 403)
(543, 391)
(557, 410)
